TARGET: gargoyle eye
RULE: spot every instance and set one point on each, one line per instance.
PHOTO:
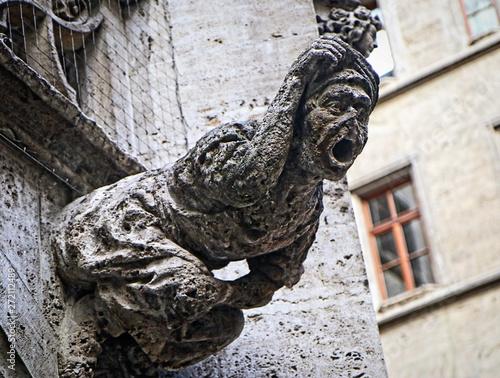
(334, 105)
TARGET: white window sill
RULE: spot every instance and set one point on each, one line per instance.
(431, 296)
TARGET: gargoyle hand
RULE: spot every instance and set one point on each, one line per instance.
(324, 53)
(251, 291)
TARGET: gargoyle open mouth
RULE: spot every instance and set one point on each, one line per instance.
(343, 151)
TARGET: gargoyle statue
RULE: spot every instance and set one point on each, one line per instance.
(137, 256)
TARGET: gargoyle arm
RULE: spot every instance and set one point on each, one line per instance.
(270, 272)
(236, 167)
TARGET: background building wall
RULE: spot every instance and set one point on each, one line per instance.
(442, 128)
(422, 33)
(437, 115)
(459, 339)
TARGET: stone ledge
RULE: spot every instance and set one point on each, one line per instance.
(438, 297)
(473, 52)
(51, 130)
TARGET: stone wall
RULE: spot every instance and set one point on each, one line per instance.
(29, 197)
(232, 58)
(128, 81)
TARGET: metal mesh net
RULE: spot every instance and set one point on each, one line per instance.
(114, 59)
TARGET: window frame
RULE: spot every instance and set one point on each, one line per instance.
(466, 16)
(370, 4)
(395, 224)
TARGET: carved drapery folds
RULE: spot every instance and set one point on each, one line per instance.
(42, 32)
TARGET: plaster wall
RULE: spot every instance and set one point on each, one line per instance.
(418, 42)
(457, 341)
(443, 129)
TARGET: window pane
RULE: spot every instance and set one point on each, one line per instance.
(404, 198)
(475, 5)
(386, 247)
(484, 21)
(379, 209)
(394, 282)
(422, 271)
(414, 236)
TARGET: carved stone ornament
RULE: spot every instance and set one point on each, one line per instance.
(47, 30)
(353, 23)
(137, 256)
(42, 31)
(73, 16)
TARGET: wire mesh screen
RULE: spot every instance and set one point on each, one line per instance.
(114, 59)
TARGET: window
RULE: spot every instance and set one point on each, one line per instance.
(381, 58)
(481, 17)
(397, 238)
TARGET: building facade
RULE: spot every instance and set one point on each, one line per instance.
(426, 190)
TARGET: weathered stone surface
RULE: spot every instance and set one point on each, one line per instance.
(30, 306)
(231, 58)
(37, 119)
(137, 255)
